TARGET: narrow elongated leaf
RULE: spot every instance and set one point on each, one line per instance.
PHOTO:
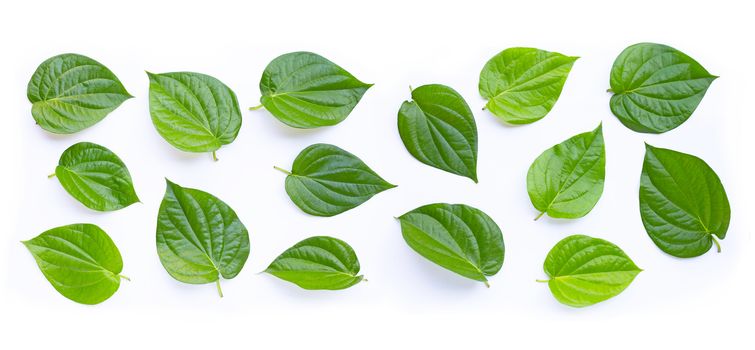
(566, 180)
(81, 262)
(199, 237)
(326, 180)
(96, 177)
(656, 87)
(305, 90)
(584, 271)
(71, 92)
(318, 263)
(457, 237)
(682, 203)
(522, 84)
(194, 112)
(438, 129)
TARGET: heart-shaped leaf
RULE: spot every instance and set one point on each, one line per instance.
(96, 177)
(656, 87)
(326, 180)
(71, 92)
(81, 262)
(457, 237)
(584, 271)
(438, 129)
(682, 203)
(318, 263)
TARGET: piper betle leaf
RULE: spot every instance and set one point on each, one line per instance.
(584, 271)
(71, 92)
(305, 90)
(326, 180)
(656, 87)
(194, 112)
(457, 237)
(522, 84)
(199, 237)
(439, 129)
(566, 180)
(318, 263)
(80, 261)
(682, 203)
(96, 177)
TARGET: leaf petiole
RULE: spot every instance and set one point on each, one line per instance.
(542, 281)
(124, 277)
(718, 245)
(539, 216)
(214, 156)
(282, 170)
(256, 107)
(217, 284)
(51, 176)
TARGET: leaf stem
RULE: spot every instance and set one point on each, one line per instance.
(51, 176)
(124, 277)
(718, 245)
(542, 281)
(256, 107)
(539, 215)
(214, 156)
(609, 90)
(486, 284)
(217, 284)
(282, 170)
(411, 89)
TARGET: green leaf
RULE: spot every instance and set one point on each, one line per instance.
(71, 92)
(457, 237)
(96, 177)
(199, 238)
(522, 84)
(194, 112)
(584, 271)
(656, 87)
(438, 129)
(318, 263)
(81, 262)
(305, 90)
(682, 203)
(566, 180)
(326, 180)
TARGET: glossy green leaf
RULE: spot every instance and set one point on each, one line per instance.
(71, 92)
(682, 203)
(522, 84)
(326, 180)
(318, 263)
(199, 237)
(566, 180)
(438, 129)
(584, 271)
(656, 87)
(305, 90)
(194, 112)
(80, 261)
(457, 237)
(96, 177)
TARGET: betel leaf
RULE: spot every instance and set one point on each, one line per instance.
(457, 237)
(318, 263)
(682, 203)
(326, 180)
(522, 84)
(96, 177)
(584, 271)
(305, 90)
(71, 92)
(656, 87)
(566, 180)
(80, 261)
(199, 237)
(439, 129)
(194, 112)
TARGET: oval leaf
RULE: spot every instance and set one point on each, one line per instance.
(656, 87)
(457, 237)
(439, 129)
(682, 203)
(71, 92)
(326, 180)
(96, 177)
(194, 112)
(305, 90)
(318, 263)
(584, 271)
(522, 84)
(566, 180)
(81, 262)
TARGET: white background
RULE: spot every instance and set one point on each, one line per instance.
(693, 303)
